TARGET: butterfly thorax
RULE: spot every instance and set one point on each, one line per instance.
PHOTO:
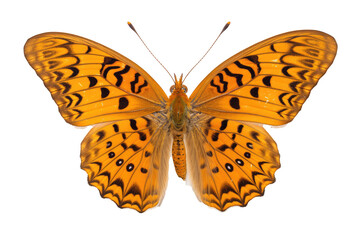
(178, 106)
(178, 115)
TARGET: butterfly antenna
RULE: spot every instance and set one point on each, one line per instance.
(223, 30)
(133, 28)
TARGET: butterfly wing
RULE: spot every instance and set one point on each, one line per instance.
(269, 81)
(127, 161)
(91, 83)
(231, 158)
(230, 162)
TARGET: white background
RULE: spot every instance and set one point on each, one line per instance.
(44, 193)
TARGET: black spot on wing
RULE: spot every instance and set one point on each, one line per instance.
(134, 147)
(116, 127)
(267, 81)
(133, 124)
(254, 92)
(104, 92)
(223, 124)
(142, 136)
(215, 136)
(93, 81)
(223, 147)
(123, 103)
(235, 103)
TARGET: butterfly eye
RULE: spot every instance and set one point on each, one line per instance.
(172, 88)
(184, 88)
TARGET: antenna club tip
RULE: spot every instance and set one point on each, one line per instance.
(225, 27)
(131, 26)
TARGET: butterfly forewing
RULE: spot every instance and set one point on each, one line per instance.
(91, 83)
(268, 82)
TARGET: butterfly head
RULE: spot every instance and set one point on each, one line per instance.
(178, 87)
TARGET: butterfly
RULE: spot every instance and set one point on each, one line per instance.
(215, 136)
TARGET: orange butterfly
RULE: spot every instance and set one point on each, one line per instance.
(217, 142)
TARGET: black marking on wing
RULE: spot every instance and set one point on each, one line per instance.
(281, 98)
(302, 73)
(118, 182)
(312, 52)
(116, 128)
(133, 84)
(272, 48)
(134, 190)
(53, 64)
(66, 86)
(70, 101)
(280, 113)
(290, 98)
(104, 92)
(101, 135)
(293, 86)
(124, 145)
(59, 75)
(285, 71)
(267, 81)
(107, 60)
(255, 136)
(119, 77)
(74, 70)
(223, 147)
(308, 62)
(105, 73)
(93, 81)
(133, 124)
(254, 92)
(79, 98)
(79, 112)
(134, 147)
(237, 76)
(215, 136)
(223, 124)
(88, 50)
(239, 65)
(218, 88)
(255, 59)
(142, 136)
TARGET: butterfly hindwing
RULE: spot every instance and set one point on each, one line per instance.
(268, 82)
(230, 162)
(91, 83)
(127, 161)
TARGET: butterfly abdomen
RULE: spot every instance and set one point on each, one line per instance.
(179, 155)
